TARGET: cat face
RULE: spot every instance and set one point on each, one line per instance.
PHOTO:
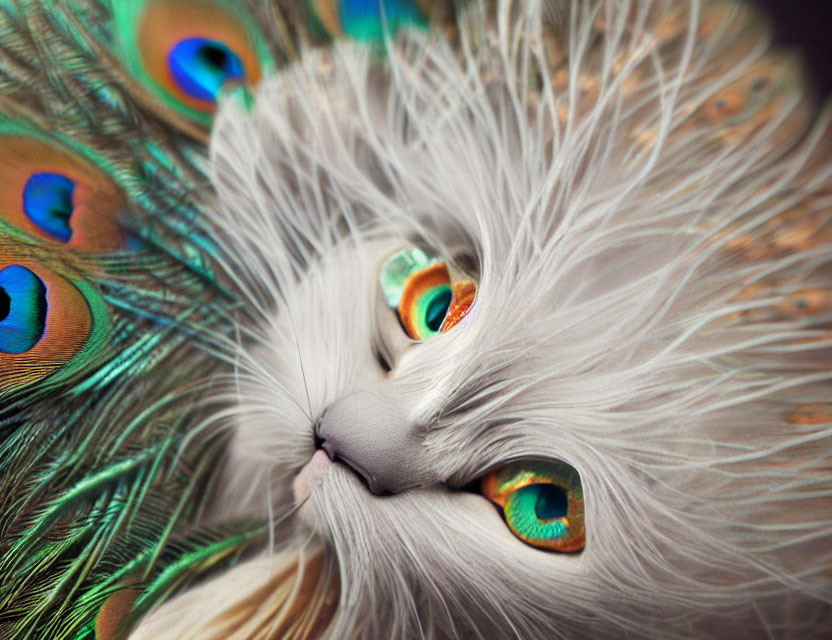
(604, 339)
(412, 442)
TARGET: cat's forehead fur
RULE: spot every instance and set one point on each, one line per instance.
(610, 328)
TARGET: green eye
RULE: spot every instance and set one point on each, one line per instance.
(543, 502)
(421, 291)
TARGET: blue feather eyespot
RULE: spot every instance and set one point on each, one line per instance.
(56, 191)
(48, 202)
(184, 52)
(49, 324)
(22, 309)
(200, 67)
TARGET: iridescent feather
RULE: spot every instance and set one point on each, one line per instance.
(109, 308)
(113, 319)
(119, 305)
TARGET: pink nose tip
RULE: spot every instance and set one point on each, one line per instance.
(309, 475)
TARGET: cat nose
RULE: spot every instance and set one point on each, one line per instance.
(369, 432)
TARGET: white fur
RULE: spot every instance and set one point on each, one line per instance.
(609, 330)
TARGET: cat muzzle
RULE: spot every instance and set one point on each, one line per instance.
(369, 433)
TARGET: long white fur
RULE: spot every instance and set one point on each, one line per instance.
(609, 329)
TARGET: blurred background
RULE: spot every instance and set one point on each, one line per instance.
(806, 24)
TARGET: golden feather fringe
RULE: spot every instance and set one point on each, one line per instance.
(296, 599)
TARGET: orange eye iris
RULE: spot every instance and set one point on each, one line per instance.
(464, 293)
(430, 304)
(542, 501)
(425, 301)
(422, 293)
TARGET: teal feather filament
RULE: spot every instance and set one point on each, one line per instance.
(369, 20)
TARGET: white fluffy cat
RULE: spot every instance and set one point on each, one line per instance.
(641, 193)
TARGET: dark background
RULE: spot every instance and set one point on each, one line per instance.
(807, 26)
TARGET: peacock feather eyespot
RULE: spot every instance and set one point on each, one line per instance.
(48, 202)
(423, 294)
(201, 66)
(542, 502)
(55, 194)
(48, 323)
(186, 51)
(22, 309)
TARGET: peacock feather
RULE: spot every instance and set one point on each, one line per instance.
(111, 312)
(183, 53)
(121, 303)
(115, 312)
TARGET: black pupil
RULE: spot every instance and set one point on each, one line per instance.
(552, 502)
(437, 309)
(214, 55)
(5, 304)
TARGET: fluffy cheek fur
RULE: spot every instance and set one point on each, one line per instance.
(319, 348)
(441, 564)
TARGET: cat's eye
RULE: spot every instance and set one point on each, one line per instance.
(422, 292)
(542, 501)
